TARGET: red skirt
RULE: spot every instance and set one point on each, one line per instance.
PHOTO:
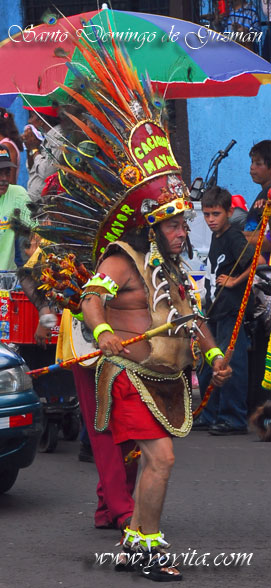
(130, 417)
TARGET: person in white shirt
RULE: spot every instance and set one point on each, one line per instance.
(43, 148)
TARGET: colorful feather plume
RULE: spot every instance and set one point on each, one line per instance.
(107, 101)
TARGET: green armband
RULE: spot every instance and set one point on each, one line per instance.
(103, 281)
(213, 354)
(101, 328)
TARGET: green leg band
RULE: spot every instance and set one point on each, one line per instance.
(131, 537)
(153, 540)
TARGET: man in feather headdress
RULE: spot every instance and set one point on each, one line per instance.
(126, 202)
(139, 284)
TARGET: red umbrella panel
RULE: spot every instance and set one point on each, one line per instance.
(33, 60)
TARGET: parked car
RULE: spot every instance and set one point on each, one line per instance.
(20, 417)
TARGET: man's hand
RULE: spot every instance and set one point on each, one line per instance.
(34, 243)
(227, 281)
(220, 374)
(110, 344)
(42, 333)
(260, 203)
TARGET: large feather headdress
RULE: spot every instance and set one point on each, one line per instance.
(122, 174)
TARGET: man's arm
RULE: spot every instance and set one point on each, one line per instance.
(50, 153)
(39, 160)
(39, 300)
(94, 315)
(37, 297)
(118, 268)
(252, 238)
(207, 342)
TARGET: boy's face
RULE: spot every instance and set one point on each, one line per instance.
(260, 173)
(217, 218)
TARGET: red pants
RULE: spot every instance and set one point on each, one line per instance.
(117, 481)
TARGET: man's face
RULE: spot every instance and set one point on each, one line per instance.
(217, 218)
(4, 180)
(260, 173)
(175, 231)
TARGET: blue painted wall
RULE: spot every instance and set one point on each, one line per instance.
(213, 122)
(11, 13)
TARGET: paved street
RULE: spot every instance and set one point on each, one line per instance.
(219, 502)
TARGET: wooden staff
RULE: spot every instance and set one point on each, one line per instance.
(240, 316)
(145, 336)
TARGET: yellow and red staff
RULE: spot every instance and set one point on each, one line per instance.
(240, 316)
(180, 320)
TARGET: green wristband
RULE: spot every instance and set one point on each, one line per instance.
(212, 354)
(101, 328)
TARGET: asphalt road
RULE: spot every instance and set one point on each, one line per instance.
(218, 502)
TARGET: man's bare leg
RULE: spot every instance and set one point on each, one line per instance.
(135, 521)
(151, 489)
(158, 459)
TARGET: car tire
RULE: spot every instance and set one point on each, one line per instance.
(7, 479)
(71, 427)
(49, 438)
